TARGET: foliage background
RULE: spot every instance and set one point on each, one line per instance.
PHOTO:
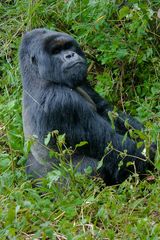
(121, 41)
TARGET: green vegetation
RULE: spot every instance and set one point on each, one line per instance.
(121, 41)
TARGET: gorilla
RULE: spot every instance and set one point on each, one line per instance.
(57, 96)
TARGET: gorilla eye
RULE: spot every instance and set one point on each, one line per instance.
(56, 50)
(67, 45)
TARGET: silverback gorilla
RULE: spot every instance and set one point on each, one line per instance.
(56, 96)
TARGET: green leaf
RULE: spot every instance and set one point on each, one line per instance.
(52, 154)
(100, 163)
(124, 138)
(82, 143)
(53, 177)
(139, 144)
(121, 53)
(29, 143)
(47, 139)
(157, 165)
(61, 139)
(110, 115)
(123, 12)
(129, 164)
(88, 170)
(10, 215)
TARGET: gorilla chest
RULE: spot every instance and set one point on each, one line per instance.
(67, 111)
(61, 109)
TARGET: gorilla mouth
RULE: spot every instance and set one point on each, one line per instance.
(74, 64)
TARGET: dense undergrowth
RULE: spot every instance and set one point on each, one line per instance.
(121, 41)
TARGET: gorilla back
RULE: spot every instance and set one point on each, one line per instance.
(56, 96)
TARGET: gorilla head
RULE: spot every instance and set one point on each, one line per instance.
(56, 57)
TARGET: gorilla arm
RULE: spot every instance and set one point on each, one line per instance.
(103, 107)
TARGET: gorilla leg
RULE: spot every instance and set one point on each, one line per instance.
(35, 169)
(39, 163)
(116, 164)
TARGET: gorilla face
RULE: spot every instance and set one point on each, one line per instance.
(56, 57)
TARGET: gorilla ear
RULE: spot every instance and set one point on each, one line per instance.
(33, 60)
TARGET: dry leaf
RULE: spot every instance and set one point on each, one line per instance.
(150, 178)
(158, 13)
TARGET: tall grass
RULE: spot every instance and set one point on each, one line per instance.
(121, 42)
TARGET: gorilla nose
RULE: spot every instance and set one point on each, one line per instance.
(69, 55)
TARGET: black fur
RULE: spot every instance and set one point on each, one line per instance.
(56, 96)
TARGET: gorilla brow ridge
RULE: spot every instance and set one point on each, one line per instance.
(57, 42)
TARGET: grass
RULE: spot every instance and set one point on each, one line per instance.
(84, 208)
